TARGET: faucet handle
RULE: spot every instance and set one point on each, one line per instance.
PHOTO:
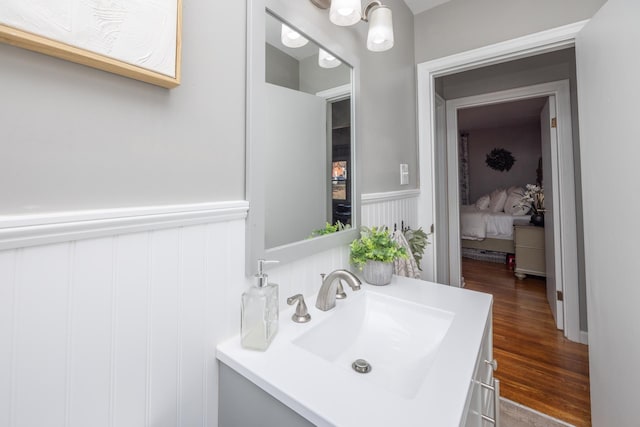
(340, 293)
(302, 313)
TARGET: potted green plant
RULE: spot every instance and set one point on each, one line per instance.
(374, 253)
(329, 229)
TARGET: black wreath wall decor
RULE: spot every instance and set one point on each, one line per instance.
(500, 159)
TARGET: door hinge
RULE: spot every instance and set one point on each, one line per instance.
(554, 123)
(432, 229)
(560, 296)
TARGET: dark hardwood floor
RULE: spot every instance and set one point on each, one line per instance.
(537, 366)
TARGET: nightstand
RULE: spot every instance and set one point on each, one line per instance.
(529, 244)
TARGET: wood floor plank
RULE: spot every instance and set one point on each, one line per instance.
(537, 366)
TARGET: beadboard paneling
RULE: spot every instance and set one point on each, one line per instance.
(121, 330)
(391, 209)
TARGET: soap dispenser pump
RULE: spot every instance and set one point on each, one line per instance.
(259, 311)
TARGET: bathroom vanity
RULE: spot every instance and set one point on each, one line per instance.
(429, 347)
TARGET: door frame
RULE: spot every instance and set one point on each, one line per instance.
(565, 239)
(533, 44)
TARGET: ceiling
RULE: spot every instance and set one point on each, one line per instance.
(419, 6)
(515, 113)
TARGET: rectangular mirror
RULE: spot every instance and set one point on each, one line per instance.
(308, 128)
(301, 145)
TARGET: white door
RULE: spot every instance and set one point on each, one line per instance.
(608, 93)
(549, 141)
(441, 229)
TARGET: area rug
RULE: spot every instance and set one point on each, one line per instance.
(513, 414)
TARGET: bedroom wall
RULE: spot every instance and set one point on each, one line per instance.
(522, 141)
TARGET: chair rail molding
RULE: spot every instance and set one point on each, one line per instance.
(39, 229)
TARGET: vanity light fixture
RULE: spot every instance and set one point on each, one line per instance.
(379, 17)
(327, 60)
(291, 38)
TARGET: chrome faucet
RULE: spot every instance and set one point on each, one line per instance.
(327, 295)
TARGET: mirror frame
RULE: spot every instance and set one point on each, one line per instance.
(297, 13)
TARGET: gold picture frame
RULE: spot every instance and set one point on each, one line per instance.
(48, 46)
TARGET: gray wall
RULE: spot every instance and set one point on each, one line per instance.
(460, 25)
(386, 117)
(314, 78)
(388, 109)
(609, 92)
(76, 138)
(82, 139)
(281, 69)
(559, 65)
(523, 142)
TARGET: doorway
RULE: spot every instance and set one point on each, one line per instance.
(430, 206)
(560, 233)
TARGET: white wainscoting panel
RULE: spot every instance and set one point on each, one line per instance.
(390, 208)
(121, 330)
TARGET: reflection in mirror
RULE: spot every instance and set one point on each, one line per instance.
(308, 152)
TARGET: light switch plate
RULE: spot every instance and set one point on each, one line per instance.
(404, 174)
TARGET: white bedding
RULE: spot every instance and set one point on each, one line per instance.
(479, 225)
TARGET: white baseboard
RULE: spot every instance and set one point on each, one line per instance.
(31, 230)
(584, 337)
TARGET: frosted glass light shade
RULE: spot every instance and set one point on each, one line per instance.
(380, 37)
(291, 38)
(345, 12)
(327, 60)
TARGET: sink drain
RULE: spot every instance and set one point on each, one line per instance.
(361, 366)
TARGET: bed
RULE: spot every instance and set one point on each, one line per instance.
(483, 229)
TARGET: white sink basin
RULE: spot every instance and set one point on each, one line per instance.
(421, 339)
(398, 338)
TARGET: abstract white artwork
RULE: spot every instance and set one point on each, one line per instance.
(141, 33)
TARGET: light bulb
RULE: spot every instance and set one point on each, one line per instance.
(345, 12)
(327, 60)
(291, 38)
(380, 36)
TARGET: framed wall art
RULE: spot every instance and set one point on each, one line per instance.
(140, 39)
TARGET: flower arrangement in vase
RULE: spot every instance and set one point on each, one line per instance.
(534, 198)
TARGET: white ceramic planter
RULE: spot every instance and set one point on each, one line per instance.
(378, 273)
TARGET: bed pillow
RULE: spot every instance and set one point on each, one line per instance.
(512, 205)
(498, 198)
(483, 202)
(515, 189)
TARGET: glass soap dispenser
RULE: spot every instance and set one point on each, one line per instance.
(259, 311)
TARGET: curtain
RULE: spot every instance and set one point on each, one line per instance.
(463, 165)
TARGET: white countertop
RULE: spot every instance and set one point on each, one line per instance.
(326, 396)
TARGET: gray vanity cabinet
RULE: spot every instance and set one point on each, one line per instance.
(483, 407)
(241, 403)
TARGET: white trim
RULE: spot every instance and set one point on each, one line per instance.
(371, 198)
(39, 229)
(533, 44)
(336, 92)
(584, 337)
(521, 47)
